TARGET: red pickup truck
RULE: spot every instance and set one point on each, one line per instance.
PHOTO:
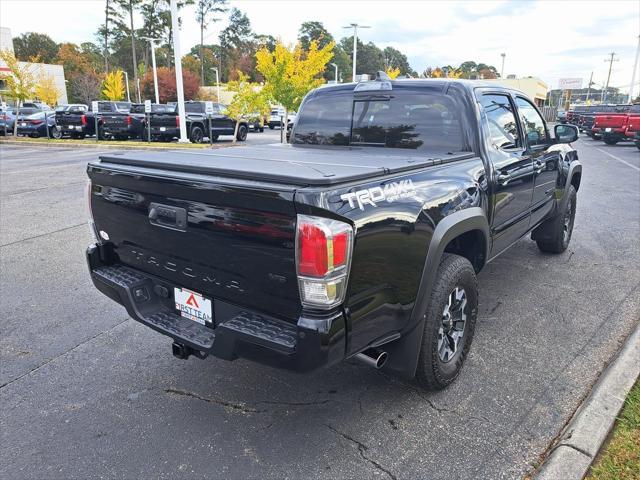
(613, 126)
(633, 129)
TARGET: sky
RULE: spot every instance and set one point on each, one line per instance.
(544, 38)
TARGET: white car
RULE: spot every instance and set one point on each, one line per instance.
(276, 117)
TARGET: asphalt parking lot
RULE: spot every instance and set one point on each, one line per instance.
(88, 393)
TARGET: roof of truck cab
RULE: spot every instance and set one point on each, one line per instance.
(289, 164)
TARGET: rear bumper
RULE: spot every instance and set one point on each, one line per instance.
(121, 130)
(168, 131)
(238, 332)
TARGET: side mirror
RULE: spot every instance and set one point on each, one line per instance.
(565, 133)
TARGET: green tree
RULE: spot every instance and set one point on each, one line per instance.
(129, 8)
(247, 100)
(370, 57)
(112, 22)
(290, 73)
(394, 58)
(33, 46)
(205, 14)
(237, 45)
(19, 82)
(316, 31)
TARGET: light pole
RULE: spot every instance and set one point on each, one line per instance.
(355, 45)
(215, 69)
(502, 69)
(336, 67)
(175, 27)
(153, 62)
(126, 82)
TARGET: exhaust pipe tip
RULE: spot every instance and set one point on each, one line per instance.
(373, 357)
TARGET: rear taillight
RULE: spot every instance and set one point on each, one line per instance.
(35, 122)
(323, 256)
(178, 121)
(128, 119)
(83, 119)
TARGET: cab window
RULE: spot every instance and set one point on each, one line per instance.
(532, 123)
(503, 127)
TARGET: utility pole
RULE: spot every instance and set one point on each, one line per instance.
(153, 63)
(175, 27)
(126, 81)
(611, 59)
(635, 70)
(589, 88)
(355, 45)
(502, 69)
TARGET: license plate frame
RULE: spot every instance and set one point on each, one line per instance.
(193, 306)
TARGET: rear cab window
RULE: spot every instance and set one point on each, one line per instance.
(410, 118)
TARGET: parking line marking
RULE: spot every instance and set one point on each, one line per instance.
(618, 159)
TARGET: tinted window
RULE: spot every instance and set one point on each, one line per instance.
(194, 107)
(503, 127)
(325, 120)
(634, 108)
(105, 107)
(123, 106)
(532, 123)
(157, 108)
(405, 120)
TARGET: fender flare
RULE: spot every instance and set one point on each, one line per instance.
(404, 353)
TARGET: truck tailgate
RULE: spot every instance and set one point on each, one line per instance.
(225, 239)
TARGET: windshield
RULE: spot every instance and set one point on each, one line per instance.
(413, 120)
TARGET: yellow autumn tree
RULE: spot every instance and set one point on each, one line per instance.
(46, 89)
(19, 81)
(246, 101)
(113, 86)
(392, 72)
(291, 72)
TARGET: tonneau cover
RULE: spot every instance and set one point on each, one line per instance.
(292, 164)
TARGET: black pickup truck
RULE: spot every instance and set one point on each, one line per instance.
(79, 122)
(361, 239)
(123, 123)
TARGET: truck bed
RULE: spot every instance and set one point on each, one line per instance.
(289, 164)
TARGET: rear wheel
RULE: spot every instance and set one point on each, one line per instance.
(449, 323)
(196, 135)
(242, 133)
(561, 227)
(101, 135)
(56, 133)
(610, 140)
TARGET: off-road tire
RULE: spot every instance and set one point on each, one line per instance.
(561, 231)
(55, 133)
(242, 133)
(196, 135)
(453, 272)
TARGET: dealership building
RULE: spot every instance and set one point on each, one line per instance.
(38, 69)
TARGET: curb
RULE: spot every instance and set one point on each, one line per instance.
(583, 437)
(105, 144)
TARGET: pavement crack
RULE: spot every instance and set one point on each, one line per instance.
(362, 448)
(43, 234)
(293, 404)
(37, 367)
(577, 449)
(234, 406)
